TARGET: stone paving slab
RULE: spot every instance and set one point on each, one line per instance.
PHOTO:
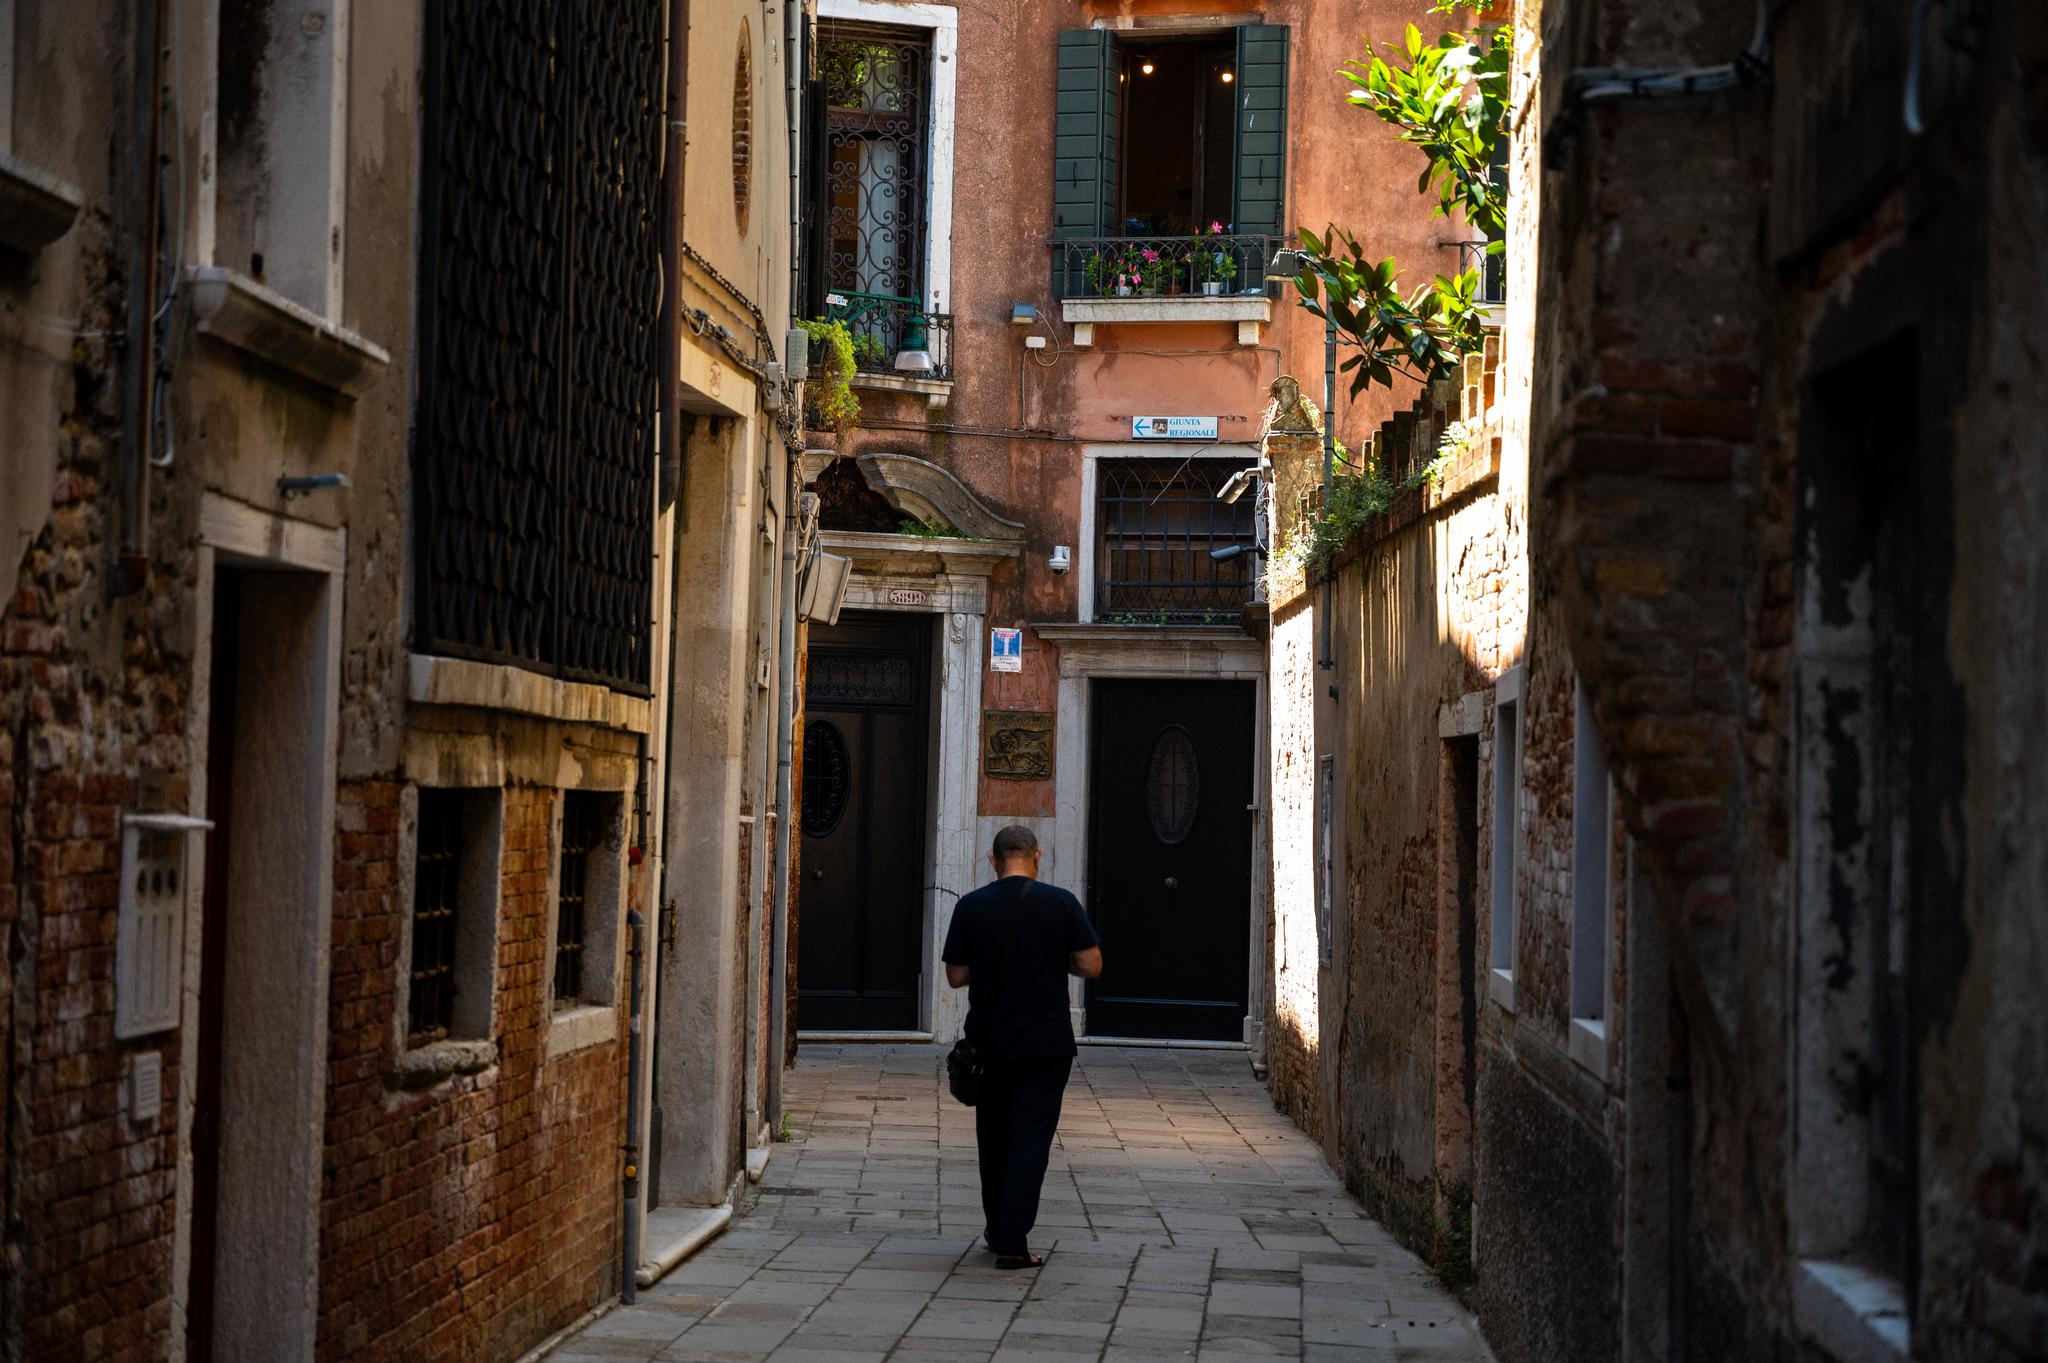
(1186, 1219)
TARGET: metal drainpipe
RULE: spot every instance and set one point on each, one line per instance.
(670, 395)
(139, 366)
(1329, 473)
(631, 1249)
(785, 751)
(672, 254)
(793, 89)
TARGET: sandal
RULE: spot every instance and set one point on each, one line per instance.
(1024, 1260)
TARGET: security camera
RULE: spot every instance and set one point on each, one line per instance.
(1061, 559)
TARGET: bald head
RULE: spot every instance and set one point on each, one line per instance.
(1015, 852)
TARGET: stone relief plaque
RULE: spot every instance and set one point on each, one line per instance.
(1016, 745)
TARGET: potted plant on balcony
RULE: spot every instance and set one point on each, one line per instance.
(1215, 261)
(1151, 268)
(1114, 274)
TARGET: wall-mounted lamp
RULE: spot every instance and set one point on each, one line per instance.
(1023, 314)
(1061, 560)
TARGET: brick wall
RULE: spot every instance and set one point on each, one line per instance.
(470, 1220)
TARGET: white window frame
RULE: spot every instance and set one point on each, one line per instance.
(944, 23)
(304, 165)
(474, 1031)
(1592, 1001)
(1505, 839)
(594, 1017)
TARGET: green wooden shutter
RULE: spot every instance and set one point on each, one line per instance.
(1084, 146)
(1258, 200)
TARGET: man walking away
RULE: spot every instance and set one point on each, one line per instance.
(1012, 946)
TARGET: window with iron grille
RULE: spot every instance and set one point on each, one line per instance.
(436, 898)
(448, 954)
(1157, 525)
(588, 897)
(875, 93)
(533, 441)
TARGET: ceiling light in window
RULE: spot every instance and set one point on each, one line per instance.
(1229, 76)
(1146, 68)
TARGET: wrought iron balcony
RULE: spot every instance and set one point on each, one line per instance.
(1168, 267)
(1493, 270)
(895, 336)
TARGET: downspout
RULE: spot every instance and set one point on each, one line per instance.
(669, 396)
(785, 641)
(630, 1269)
(785, 752)
(1329, 474)
(138, 378)
(672, 258)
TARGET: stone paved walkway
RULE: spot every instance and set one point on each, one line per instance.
(1186, 1219)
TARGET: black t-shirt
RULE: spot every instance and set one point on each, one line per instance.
(1017, 987)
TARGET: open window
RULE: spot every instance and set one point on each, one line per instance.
(1170, 160)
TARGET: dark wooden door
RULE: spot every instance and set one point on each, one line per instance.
(860, 960)
(1170, 858)
(201, 1292)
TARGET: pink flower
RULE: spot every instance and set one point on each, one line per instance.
(1216, 227)
(1150, 254)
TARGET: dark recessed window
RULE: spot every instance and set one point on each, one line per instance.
(582, 833)
(436, 896)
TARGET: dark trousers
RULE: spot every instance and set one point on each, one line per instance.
(1013, 1124)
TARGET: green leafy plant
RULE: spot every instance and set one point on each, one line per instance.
(1449, 100)
(929, 530)
(1427, 101)
(829, 402)
(1355, 497)
(869, 352)
(1421, 335)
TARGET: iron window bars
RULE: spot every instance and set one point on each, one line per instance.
(436, 891)
(877, 129)
(533, 443)
(582, 833)
(1225, 264)
(1157, 521)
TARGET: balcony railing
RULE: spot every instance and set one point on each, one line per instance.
(895, 336)
(1125, 267)
(1493, 270)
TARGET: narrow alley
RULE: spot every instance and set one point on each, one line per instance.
(1185, 1216)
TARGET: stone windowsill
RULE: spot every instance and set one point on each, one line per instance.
(36, 207)
(937, 392)
(581, 1026)
(434, 680)
(238, 311)
(1850, 1312)
(1249, 311)
(1500, 987)
(426, 1066)
(1587, 1041)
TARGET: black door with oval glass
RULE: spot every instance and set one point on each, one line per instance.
(1170, 858)
(861, 906)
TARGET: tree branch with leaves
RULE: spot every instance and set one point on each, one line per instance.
(1449, 100)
